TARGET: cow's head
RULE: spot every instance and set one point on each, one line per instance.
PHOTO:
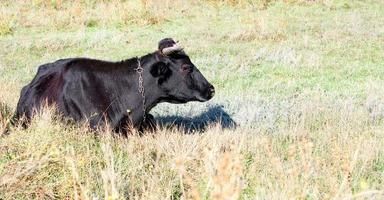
(178, 77)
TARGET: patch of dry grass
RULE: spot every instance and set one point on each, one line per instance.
(59, 15)
(320, 154)
(74, 14)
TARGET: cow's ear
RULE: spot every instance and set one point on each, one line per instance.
(159, 69)
(166, 42)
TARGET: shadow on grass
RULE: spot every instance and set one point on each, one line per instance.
(196, 124)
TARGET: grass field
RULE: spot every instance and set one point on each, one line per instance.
(298, 111)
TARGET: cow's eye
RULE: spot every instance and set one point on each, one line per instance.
(186, 68)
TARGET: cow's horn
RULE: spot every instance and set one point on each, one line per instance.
(169, 50)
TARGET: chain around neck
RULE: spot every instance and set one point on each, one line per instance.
(140, 70)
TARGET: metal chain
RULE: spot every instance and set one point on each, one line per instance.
(140, 70)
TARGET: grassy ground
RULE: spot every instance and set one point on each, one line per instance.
(299, 110)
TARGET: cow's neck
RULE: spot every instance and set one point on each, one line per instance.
(151, 91)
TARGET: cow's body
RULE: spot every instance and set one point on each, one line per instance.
(85, 89)
(102, 92)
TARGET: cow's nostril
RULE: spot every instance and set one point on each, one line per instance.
(211, 91)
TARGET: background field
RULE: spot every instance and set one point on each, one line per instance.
(298, 114)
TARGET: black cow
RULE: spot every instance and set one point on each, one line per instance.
(116, 93)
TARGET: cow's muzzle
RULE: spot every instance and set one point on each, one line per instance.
(208, 93)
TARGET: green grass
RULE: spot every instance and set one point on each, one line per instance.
(303, 81)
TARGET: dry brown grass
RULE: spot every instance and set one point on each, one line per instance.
(74, 14)
(341, 158)
(60, 15)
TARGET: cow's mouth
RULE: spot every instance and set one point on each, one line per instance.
(201, 99)
(175, 100)
(207, 96)
(178, 100)
(204, 98)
